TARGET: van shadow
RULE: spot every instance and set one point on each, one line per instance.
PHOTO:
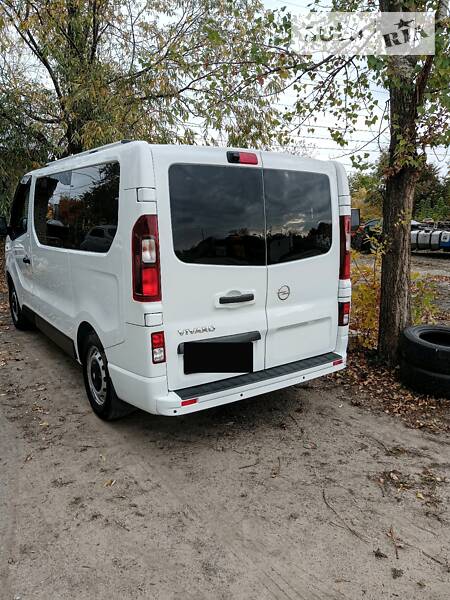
(269, 411)
(274, 410)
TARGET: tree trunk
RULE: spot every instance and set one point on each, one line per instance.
(401, 177)
(395, 307)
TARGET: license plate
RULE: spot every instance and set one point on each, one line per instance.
(218, 357)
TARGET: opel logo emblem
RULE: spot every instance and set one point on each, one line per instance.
(284, 292)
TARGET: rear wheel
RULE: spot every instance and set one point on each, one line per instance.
(99, 388)
(18, 318)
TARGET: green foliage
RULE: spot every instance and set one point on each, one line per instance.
(439, 212)
(431, 196)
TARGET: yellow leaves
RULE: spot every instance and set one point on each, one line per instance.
(366, 293)
(365, 303)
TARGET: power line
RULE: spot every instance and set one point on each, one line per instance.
(199, 125)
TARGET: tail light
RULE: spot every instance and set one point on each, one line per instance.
(242, 158)
(145, 249)
(158, 347)
(345, 235)
(344, 314)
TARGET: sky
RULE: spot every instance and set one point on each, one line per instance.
(320, 145)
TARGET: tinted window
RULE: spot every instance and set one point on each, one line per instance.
(298, 213)
(217, 214)
(95, 206)
(19, 208)
(78, 209)
(51, 209)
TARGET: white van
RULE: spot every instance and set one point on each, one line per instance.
(183, 278)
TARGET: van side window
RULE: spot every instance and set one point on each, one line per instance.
(78, 209)
(298, 213)
(95, 206)
(52, 209)
(19, 209)
(217, 214)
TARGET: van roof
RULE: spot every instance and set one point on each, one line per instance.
(61, 162)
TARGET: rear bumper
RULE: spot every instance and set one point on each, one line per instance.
(152, 395)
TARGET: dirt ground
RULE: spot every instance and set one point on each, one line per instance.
(296, 495)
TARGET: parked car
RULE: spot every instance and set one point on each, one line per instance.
(219, 274)
(367, 235)
(99, 238)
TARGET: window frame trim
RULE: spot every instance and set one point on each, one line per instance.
(28, 182)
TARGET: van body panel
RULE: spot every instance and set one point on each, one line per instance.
(52, 297)
(342, 185)
(97, 296)
(134, 353)
(15, 251)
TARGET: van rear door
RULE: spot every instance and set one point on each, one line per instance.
(303, 257)
(213, 269)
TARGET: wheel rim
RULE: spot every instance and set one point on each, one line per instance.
(14, 306)
(96, 373)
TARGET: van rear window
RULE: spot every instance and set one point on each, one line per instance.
(217, 214)
(298, 213)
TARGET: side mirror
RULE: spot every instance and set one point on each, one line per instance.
(356, 218)
(3, 227)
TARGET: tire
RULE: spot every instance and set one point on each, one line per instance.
(425, 382)
(366, 246)
(99, 388)
(18, 318)
(356, 241)
(427, 347)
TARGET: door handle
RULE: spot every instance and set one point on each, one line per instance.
(235, 299)
(26, 260)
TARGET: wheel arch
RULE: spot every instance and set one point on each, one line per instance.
(84, 329)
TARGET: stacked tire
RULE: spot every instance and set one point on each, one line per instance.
(425, 359)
